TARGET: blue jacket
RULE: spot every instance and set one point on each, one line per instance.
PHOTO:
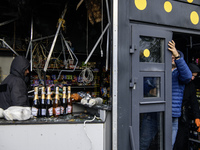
(180, 76)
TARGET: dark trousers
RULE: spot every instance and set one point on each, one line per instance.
(182, 142)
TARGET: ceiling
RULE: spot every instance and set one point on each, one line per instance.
(16, 16)
(44, 13)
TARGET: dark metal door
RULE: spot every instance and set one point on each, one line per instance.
(151, 88)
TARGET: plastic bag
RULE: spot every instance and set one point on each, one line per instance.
(92, 101)
(17, 113)
(95, 101)
(1, 113)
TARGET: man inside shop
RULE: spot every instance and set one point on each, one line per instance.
(13, 89)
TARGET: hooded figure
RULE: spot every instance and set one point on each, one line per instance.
(15, 90)
(194, 68)
(190, 111)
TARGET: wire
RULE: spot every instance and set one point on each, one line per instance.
(86, 131)
(42, 47)
(90, 120)
(86, 79)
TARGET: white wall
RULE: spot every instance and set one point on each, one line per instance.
(52, 137)
(5, 63)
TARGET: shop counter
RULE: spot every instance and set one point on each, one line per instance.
(77, 131)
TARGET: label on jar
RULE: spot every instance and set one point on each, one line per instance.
(57, 110)
(42, 101)
(69, 110)
(43, 112)
(66, 110)
(34, 111)
(50, 111)
(61, 110)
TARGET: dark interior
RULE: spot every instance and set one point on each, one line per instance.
(190, 46)
(84, 22)
(82, 27)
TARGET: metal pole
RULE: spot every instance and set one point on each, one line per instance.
(115, 75)
(54, 41)
(63, 49)
(108, 14)
(109, 22)
(107, 50)
(71, 53)
(31, 45)
(9, 47)
(7, 22)
(97, 43)
(31, 38)
(68, 47)
(46, 37)
(35, 40)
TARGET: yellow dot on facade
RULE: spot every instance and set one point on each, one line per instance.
(168, 6)
(146, 53)
(141, 4)
(194, 17)
(190, 1)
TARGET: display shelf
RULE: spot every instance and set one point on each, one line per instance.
(82, 86)
(98, 106)
(59, 69)
(67, 119)
(194, 140)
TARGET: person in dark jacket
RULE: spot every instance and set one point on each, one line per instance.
(15, 90)
(181, 75)
(189, 103)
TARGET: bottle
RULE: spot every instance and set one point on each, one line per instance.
(43, 103)
(36, 105)
(64, 102)
(49, 103)
(56, 104)
(69, 101)
(194, 129)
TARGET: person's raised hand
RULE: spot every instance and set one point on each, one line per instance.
(172, 48)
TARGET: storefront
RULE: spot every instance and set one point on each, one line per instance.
(145, 27)
(126, 48)
(68, 46)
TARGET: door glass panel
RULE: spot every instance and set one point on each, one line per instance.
(151, 131)
(151, 87)
(151, 49)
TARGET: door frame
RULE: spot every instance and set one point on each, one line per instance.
(163, 70)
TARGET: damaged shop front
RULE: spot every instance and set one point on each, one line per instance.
(68, 44)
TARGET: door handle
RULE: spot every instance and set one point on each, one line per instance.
(133, 85)
(152, 102)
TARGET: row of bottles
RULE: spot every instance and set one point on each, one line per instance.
(47, 107)
(194, 146)
(194, 135)
(196, 60)
(193, 131)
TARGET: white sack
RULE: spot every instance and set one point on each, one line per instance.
(92, 101)
(1, 113)
(17, 113)
(95, 101)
